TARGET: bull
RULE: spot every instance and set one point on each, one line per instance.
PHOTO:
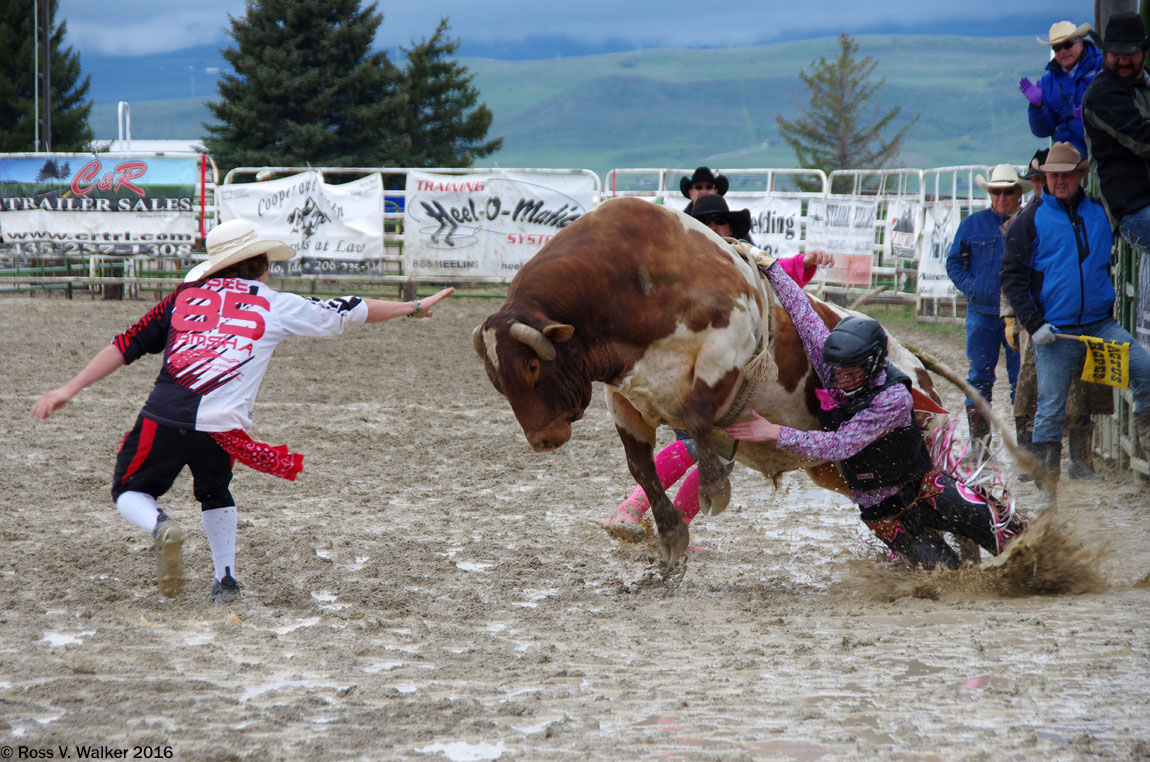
(668, 316)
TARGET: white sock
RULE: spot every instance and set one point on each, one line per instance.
(220, 527)
(139, 508)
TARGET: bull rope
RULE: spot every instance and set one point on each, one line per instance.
(1021, 456)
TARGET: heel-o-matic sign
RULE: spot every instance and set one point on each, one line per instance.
(485, 226)
(82, 204)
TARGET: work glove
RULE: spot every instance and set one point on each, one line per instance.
(1010, 329)
(1045, 334)
(1032, 91)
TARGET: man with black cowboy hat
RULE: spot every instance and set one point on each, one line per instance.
(1056, 100)
(1056, 273)
(703, 183)
(972, 264)
(217, 332)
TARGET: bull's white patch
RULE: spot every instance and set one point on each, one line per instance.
(489, 345)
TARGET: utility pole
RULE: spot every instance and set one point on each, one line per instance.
(44, 75)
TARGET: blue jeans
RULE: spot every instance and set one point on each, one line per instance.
(1135, 228)
(984, 335)
(1057, 363)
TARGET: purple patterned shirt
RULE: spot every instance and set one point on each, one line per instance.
(892, 408)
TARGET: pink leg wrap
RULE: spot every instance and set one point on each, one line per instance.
(670, 464)
(687, 500)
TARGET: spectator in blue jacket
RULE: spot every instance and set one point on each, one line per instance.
(973, 264)
(1056, 274)
(1056, 100)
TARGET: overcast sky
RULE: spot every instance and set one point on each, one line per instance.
(127, 27)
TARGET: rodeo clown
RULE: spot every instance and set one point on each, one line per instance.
(873, 438)
(217, 332)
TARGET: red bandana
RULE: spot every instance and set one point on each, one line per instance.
(276, 461)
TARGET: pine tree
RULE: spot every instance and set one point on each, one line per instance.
(307, 89)
(70, 106)
(442, 120)
(831, 134)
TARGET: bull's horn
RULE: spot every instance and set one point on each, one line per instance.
(477, 340)
(533, 338)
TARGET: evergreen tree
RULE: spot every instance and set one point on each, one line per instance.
(307, 89)
(445, 126)
(70, 106)
(832, 133)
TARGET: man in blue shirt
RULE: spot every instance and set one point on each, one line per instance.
(973, 264)
(1055, 109)
(1056, 274)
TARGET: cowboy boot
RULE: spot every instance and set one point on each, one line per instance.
(1023, 432)
(979, 435)
(1049, 455)
(1142, 424)
(1081, 439)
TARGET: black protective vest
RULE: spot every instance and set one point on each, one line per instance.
(897, 457)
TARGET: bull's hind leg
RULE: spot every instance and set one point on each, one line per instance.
(638, 439)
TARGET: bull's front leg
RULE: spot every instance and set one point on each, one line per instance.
(638, 439)
(699, 421)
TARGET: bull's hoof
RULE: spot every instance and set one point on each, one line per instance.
(715, 503)
(673, 544)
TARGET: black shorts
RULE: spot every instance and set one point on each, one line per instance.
(152, 456)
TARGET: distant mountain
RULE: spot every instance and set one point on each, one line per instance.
(656, 108)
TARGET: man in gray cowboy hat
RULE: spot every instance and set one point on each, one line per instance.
(217, 332)
(703, 182)
(1056, 274)
(1115, 112)
(973, 262)
(1056, 100)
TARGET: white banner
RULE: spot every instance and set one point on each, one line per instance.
(83, 233)
(939, 228)
(487, 225)
(903, 228)
(844, 228)
(332, 227)
(775, 223)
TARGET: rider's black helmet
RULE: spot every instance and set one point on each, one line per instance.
(856, 342)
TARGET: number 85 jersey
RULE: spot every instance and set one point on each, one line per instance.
(217, 336)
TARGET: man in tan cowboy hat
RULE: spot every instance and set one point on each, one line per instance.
(973, 262)
(1055, 101)
(703, 182)
(1056, 273)
(217, 332)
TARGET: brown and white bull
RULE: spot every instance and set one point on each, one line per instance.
(667, 315)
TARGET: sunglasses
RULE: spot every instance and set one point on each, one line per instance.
(1004, 191)
(703, 186)
(1064, 45)
(716, 219)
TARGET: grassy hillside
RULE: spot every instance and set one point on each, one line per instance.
(657, 108)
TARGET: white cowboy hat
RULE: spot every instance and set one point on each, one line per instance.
(234, 241)
(1063, 31)
(1002, 176)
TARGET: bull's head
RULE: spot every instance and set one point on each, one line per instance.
(545, 387)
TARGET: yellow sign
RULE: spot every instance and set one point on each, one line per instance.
(1107, 362)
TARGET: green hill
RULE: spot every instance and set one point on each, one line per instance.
(657, 108)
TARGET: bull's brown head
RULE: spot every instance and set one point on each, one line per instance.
(531, 363)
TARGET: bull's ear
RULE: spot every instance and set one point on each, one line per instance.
(559, 332)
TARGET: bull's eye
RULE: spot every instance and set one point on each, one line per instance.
(533, 367)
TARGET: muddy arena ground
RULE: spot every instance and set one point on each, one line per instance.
(432, 589)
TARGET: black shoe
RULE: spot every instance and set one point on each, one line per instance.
(168, 544)
(226, 589)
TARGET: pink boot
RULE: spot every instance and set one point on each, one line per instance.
(670, 465)
(687, 499)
